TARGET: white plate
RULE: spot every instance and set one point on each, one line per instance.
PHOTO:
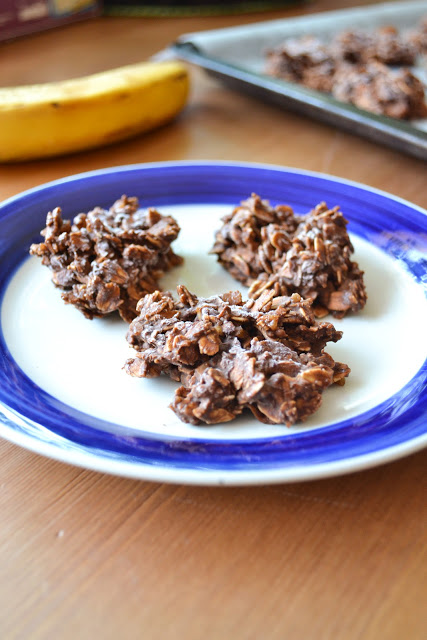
(68, 396)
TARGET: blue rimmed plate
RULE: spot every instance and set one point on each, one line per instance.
(64, 394)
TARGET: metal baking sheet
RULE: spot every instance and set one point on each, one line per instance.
(236, 55)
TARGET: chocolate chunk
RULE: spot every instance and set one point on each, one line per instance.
(265, 355)
(106, 260)
(271, 248)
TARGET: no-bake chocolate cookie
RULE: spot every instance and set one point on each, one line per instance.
(265, 355)
(369, 69)
(271, 248)
(106, 260)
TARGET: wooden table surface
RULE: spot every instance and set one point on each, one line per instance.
(87, 555)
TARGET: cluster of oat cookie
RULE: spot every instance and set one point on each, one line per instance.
(373, 70)
(266, 354)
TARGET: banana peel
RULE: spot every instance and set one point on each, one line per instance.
(39, 121)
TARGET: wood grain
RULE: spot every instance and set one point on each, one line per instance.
(86, 555)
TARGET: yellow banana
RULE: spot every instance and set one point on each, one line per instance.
(56, 118)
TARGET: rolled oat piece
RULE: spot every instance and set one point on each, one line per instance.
(106, 260)
(271, 248)
(265, 355)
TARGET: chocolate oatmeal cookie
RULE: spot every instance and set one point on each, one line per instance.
(396, 93)
(265, 355)
(304, 60)
(384, 45)
(417, 37)
(106, 260)
(369, 69)
(272, 248)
